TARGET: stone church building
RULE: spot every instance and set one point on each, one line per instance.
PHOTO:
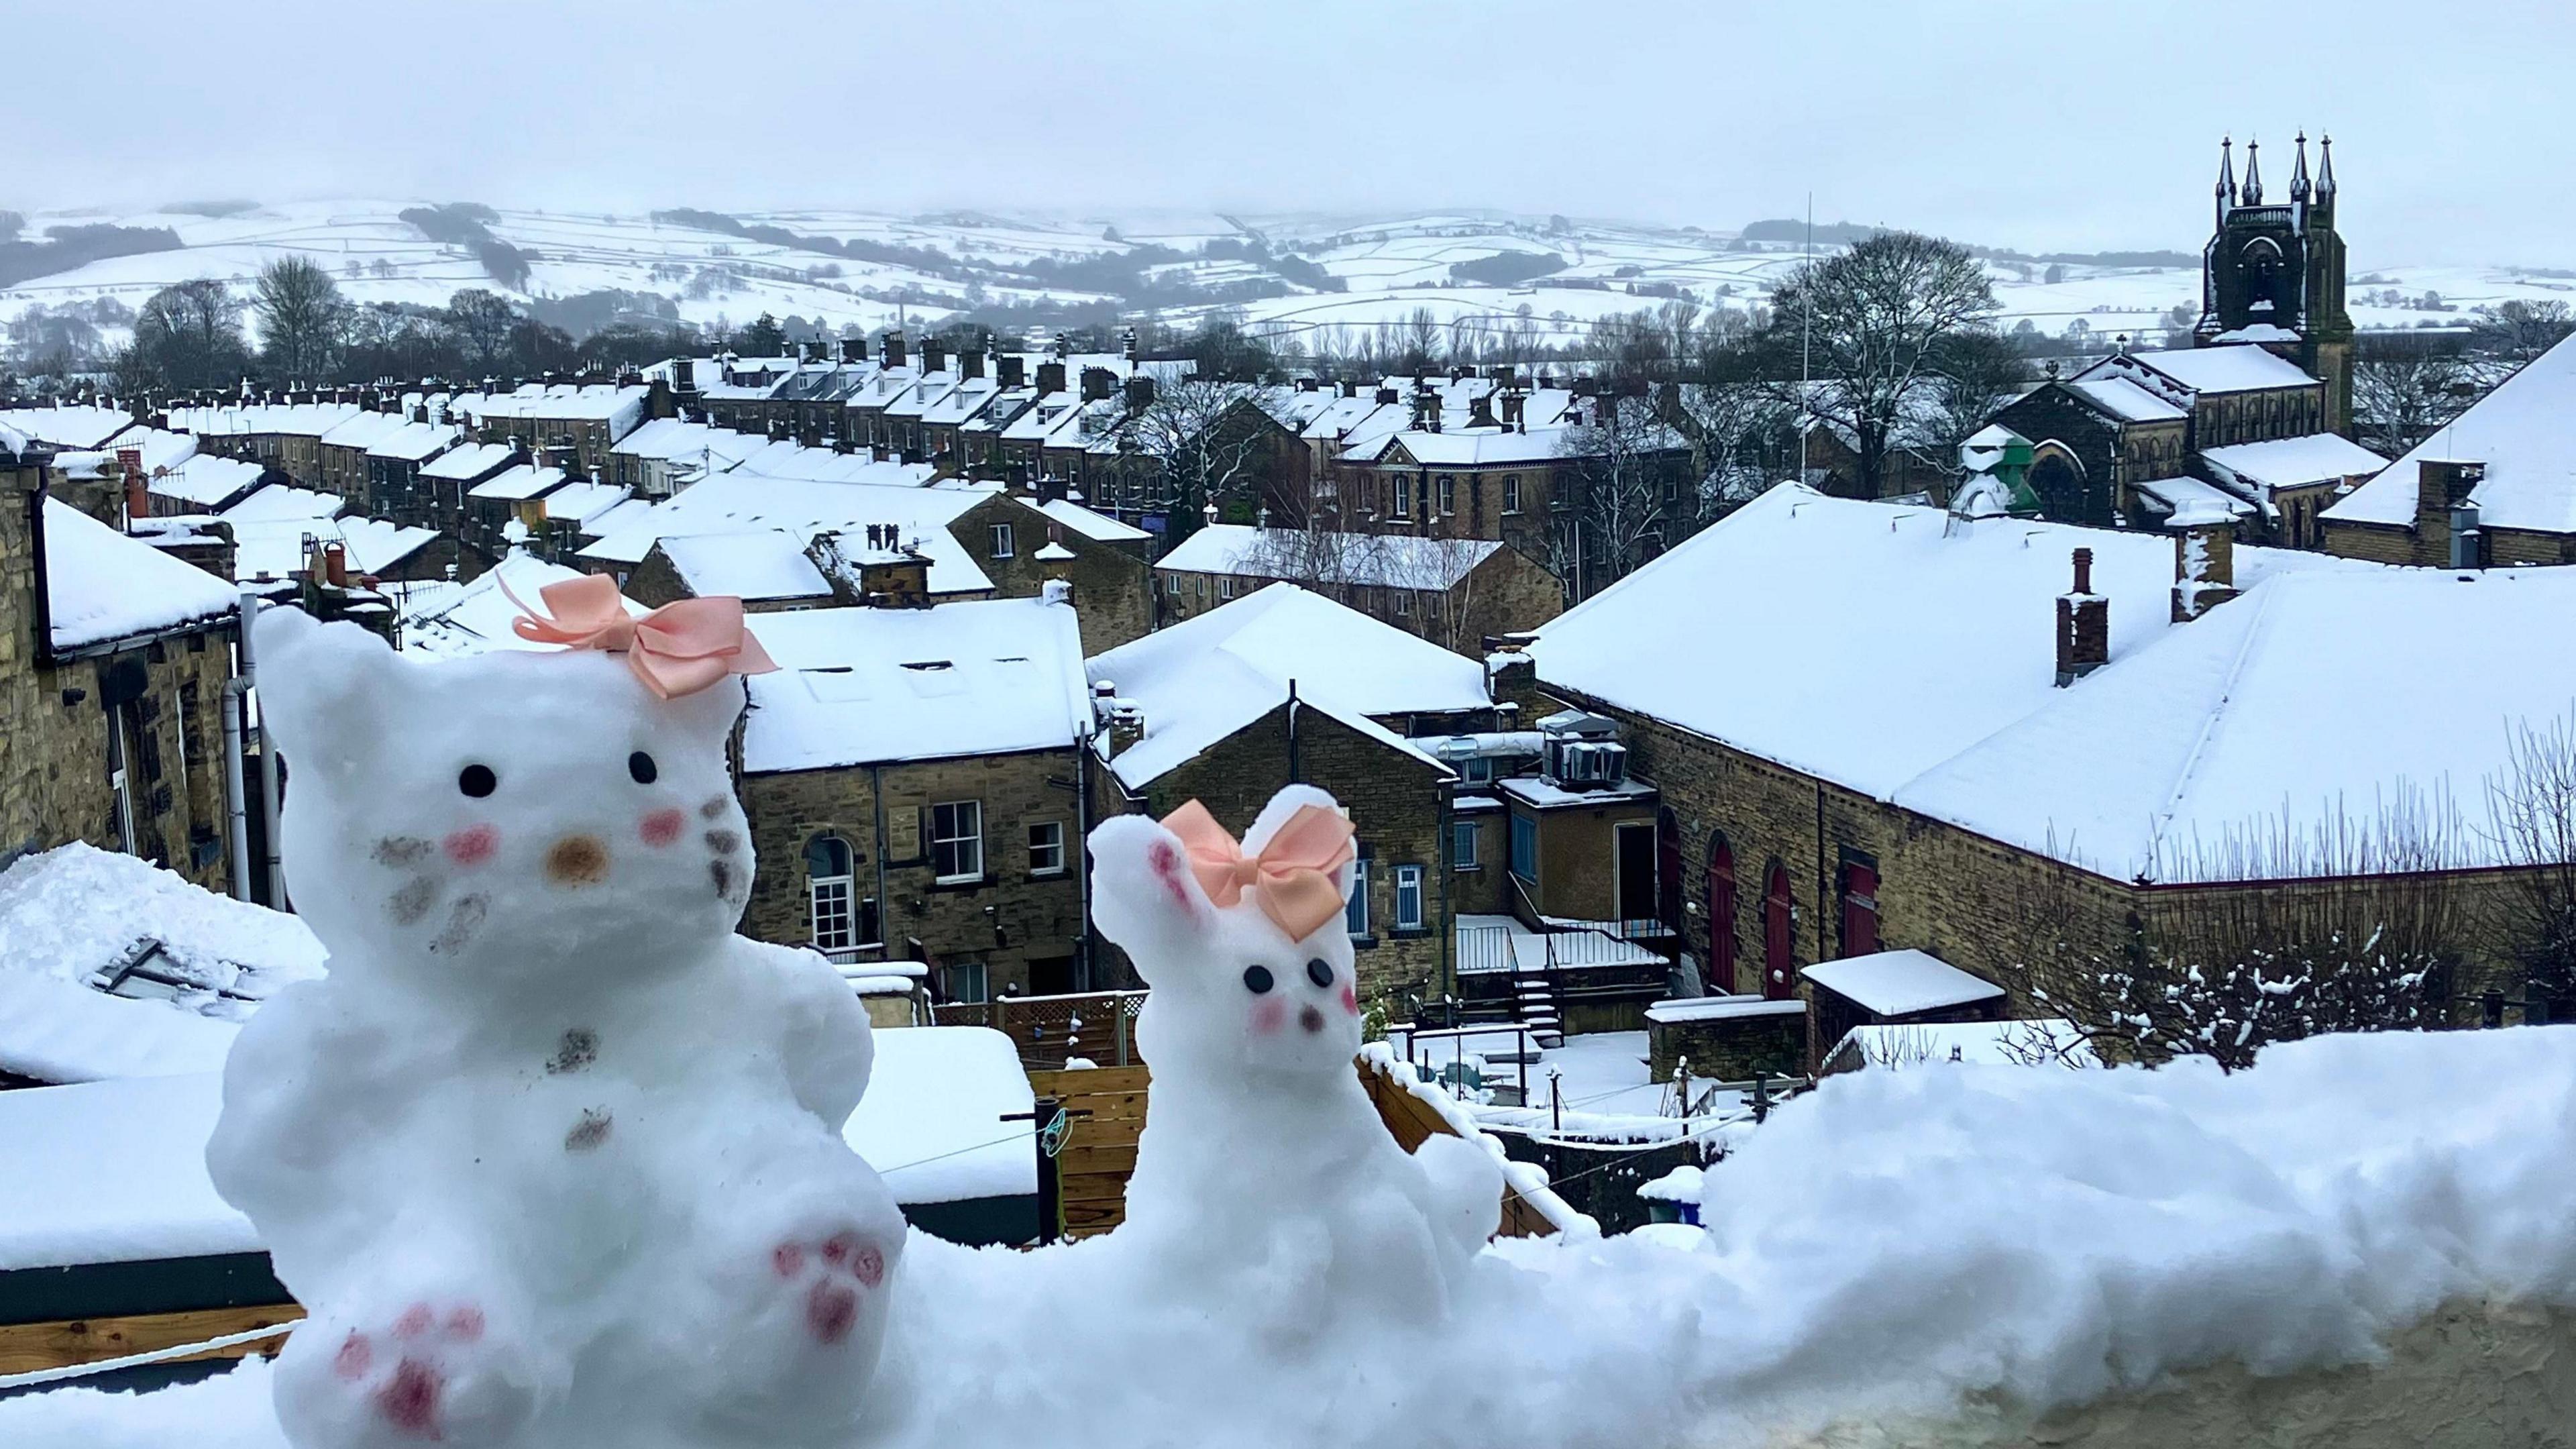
(2252, 421)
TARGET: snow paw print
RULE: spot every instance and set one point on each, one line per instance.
(431, 1375)
(833, 1275)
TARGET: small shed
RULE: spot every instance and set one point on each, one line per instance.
(1892, 987)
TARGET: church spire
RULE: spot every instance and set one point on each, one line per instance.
(2300, 191)
(2325, 169)
(2252, 195)
(2226, 176)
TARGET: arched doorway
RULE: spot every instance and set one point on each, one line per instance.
(1779, 974)
(1721, 915)
(2057, 480)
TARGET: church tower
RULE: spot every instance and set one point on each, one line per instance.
(2273, 273)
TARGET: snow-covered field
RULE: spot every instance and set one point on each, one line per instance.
(1389, 267)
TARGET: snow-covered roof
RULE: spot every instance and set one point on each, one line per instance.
(522, 482)
(927, 1122)
(626, 513)
(1479, 447)
(2393, 682)
(448, 619)
(72, 916)
(468, 462)
(274, 546)
(2293, 462)
(1200, 680)
(413, 442)
(205, 479)
(1901, 983)
(102, 585)
(2021, 1042)
(758, 564)
(2125, 400)
(283, 501)
(160, 447)
(620, 407)
(581, 502)
(2525, 434)
(1091, 524)
(671, 438)
(307, 420)
(113, 1172)
(865, 686)
(1939, 632)
(2189, 500)
(1720, 1008)
(1377, 560)
(80, 425)
(740, 501)
(2230, 368)
(363, 430)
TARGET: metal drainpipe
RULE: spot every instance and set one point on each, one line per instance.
(1079, 854)
(237, 809)
(268, 794)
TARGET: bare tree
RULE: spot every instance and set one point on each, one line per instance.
(481, 321)
(2531, 805)
(2520, 331)
(186, 336)
(2404, 388)
(303, 320)
(1976, 372)
(1617, 485)
(2271, 935)
(1876, 320)
(1737, 428)
(1208, 441)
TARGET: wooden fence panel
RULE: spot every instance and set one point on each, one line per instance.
(1100, 1148)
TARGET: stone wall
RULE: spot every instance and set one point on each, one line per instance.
(1025, 927)
(1112, 587)
(1398, 802)
(54, 769)
(1730, 1041)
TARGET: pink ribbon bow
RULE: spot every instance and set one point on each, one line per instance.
(677, 649)
(1292, 877)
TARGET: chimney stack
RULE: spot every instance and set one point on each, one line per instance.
(2204, 563)
(891, 353)
(2446, 512)
(2083, 625)
(1012, 370)
(934, 356)
(138, 488)
(1050, 377)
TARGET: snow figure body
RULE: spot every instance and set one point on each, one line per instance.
(1265, 1178)
(552, 1157)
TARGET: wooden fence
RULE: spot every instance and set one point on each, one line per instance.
(1098, 1026)
(1108, 1109)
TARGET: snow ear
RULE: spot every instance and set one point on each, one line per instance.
(707, 715)
(1143, 896)
(1275, 814)
(325, 690)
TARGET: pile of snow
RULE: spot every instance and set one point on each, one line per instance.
(75, 912)
(932, 1122)
(1892, 1249)
(113, 1172)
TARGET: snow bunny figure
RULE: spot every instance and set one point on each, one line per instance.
(551, 1157)
(1264, 1176)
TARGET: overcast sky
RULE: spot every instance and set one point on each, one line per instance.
(2071, 124)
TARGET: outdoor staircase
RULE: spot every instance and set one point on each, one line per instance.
(1534, 1005)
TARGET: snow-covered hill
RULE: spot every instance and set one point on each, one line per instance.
(1321, 279)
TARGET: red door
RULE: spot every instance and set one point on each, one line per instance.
(1860, 910)
(1779, 977)
(1721, 916)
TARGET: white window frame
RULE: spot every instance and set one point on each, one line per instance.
(1403, 603)
(1511, 493)
(1046, 847)
(962, 972)
(964, 838)
(1355, 913)
(831, 905)
(1463, 836)
(1408, 885)
(1513, 854)
(1448, 492)
(1225, 586)
(1403, 506)
(1002, 540)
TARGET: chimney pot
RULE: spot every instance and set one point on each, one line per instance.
(2083, 625)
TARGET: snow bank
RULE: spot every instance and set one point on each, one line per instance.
(932, 1122)
(1909, 1257)
(112, 1172)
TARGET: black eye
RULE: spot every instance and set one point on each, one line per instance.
(640, 765)
(477, 781)
(1319, 971)
(1256, 979)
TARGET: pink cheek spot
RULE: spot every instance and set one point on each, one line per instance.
(1268, 1015)
(870, 1267)
(788, 1259)
(415, 1321)
(465, 1325)
(472, 845)
(355, 1357)
(1350, 1000)
(661, 827)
